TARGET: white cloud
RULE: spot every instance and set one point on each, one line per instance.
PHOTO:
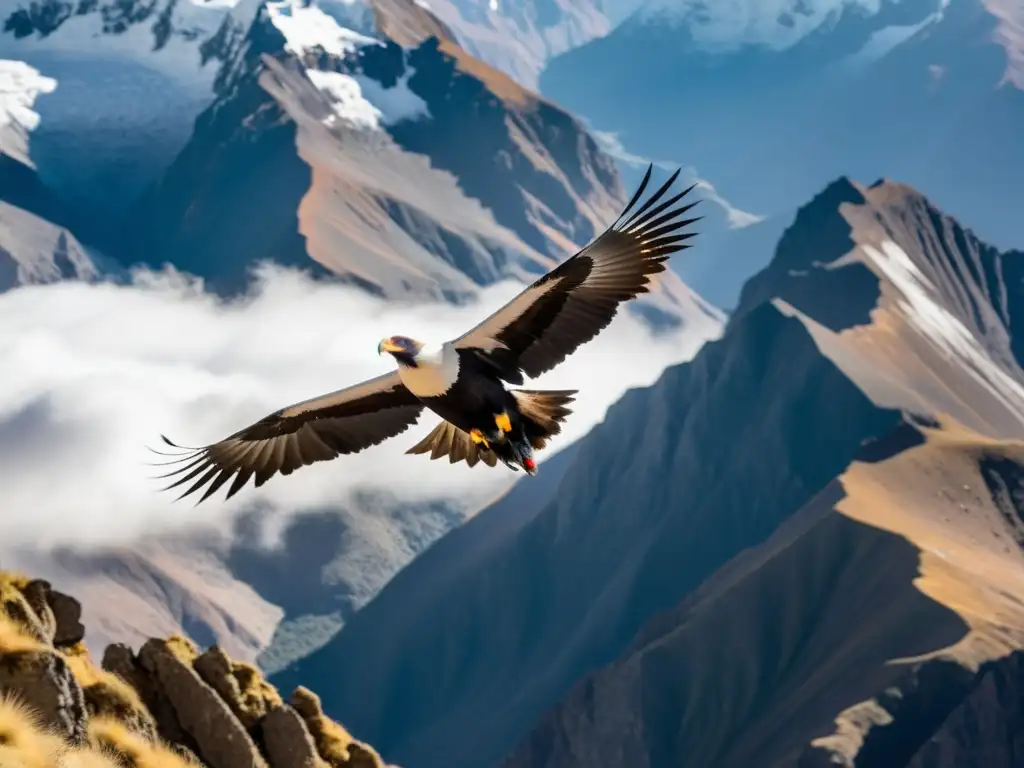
(93, 373)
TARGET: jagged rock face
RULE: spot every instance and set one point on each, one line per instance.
(875, 303)
(169, 705)
(220, 738)
(506, 132)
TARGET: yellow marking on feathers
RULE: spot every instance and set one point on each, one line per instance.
(478, 437)
(503, 422)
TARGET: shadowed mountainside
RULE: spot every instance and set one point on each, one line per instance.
(859, 625)
(875, 303)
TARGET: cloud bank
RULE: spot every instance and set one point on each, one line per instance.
(93, 373)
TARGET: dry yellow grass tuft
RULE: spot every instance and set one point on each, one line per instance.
(15, 637)
(13, 580)
(87, 758)
(106, 694)
(16, 606)
(184, 649)
(107, 734)
(253, 689)
(333, 742)
(23, 742)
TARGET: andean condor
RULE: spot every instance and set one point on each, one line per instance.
(463, 380)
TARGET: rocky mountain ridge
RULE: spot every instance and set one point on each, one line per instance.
(168, 706)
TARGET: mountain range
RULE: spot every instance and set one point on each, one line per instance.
(367, 148)
(804, 547)
(801, 547)
(927, 91)
(319, 122)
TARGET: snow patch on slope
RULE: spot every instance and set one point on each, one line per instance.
(939, 325)
(361, 101)
(20, 85)
(357, 101)
(1010, 34)
(611, 144)
(308, 27)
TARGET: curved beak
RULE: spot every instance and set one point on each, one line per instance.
(386, 346)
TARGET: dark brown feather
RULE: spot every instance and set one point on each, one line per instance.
(315, 430)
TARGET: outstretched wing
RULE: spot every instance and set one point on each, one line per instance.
(448, 440)
(572, 303)
(342, 422)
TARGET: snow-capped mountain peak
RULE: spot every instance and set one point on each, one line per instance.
(306, 26)
(320, 37)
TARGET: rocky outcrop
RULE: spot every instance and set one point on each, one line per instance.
(168, 705)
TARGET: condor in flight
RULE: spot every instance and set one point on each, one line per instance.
(463, 380)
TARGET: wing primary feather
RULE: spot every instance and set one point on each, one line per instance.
(670, 228)
(217, 483)
(636, 195)
(653, 198)
(654, 219)
(181, 447)
(195, 461)
(636, 225)
(199, 483)
(240, 480)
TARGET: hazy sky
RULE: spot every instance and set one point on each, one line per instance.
(94, 373)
